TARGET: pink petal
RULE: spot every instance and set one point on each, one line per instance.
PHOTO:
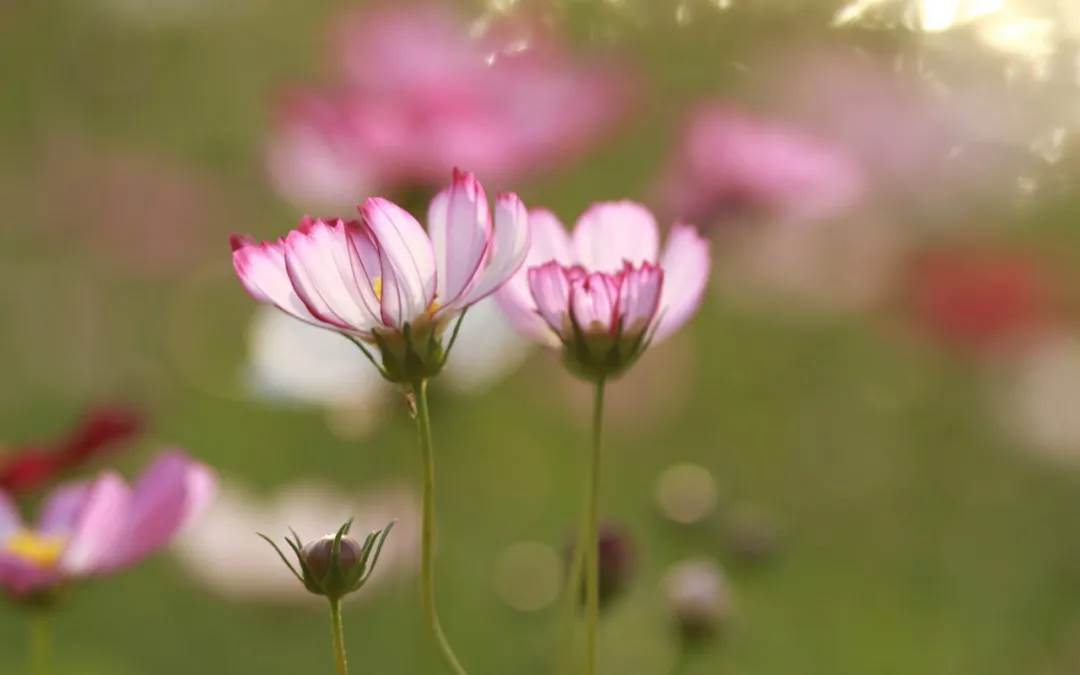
(407, 261)
(609, 234)
(10, 521)
(261, 268)
(686, 272)
(168, 495)
(548, 241)
(460, 228)
(509, 247)
(594, 300)
(550, 290)
(98, 528)
(639, 297)
(319, 264)
(62, 509)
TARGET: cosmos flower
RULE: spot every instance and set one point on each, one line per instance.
(100, 527)
(606, 291)
(29, 467)
(729, 165)
(418, 94)
(383, 281)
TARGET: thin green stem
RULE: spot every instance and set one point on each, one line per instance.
(427, 534)
(338, 634)
(592, 559)
(40, 643)
(571, 598)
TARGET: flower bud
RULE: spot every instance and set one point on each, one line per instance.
(318, 556)
(617, 562)
(698, 598)
(336, 564)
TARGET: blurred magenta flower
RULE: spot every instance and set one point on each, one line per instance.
(383, 280)
(980, 299)
(729, 165)
(29, 467)
(419, 95)
(605, 292)
(96, 528)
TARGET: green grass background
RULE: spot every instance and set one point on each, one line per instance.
(917, 539)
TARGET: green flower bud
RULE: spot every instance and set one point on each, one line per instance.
(334, 565)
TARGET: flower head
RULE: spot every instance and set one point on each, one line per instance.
(334, 565)
(418, 93)
(30, 467)
(605, 292)
(383, 281)
(729, 165)
(95, 528)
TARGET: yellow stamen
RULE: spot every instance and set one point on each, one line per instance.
(376, 286)
(42, 551)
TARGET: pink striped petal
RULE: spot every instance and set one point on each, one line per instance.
(10, 521)
(168, 495)
(609, 234)
(594, 301)
(550, 290)
(98, 528)
(261, 268)
(639, 298)
(548, 240)
(686, 273)
(509, 247)
(460, 228)
(406, 258)
(319, 263)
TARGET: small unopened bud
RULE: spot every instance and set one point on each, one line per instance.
(319, 555)
(617, 560)
(698, 598)
(336, 564)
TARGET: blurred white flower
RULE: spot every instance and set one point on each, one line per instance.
(223, 552)
(488, 349)
(291, 361)
(1038, 399)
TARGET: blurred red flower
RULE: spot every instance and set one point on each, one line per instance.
(28, 467)
(980, 299)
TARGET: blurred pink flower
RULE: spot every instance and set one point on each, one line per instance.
(383, 279)
(605, 292)
(419, 95)
(729, 165)
(100, 527)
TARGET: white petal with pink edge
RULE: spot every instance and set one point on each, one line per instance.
(609, 234)
(406, 258)
(509, 246)
(686, 273)
(459, 225)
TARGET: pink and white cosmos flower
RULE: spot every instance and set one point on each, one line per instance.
(383, 280)
(417, 93)
(731, 165)
(606, 291)
(100, 527)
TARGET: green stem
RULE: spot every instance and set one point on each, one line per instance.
(427, 534)
(40, 643)
(592, 561)
(571, 598)
(338, 633)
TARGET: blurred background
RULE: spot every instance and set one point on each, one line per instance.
(869, 435)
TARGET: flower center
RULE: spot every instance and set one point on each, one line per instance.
(34, 548)
(376, 286)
